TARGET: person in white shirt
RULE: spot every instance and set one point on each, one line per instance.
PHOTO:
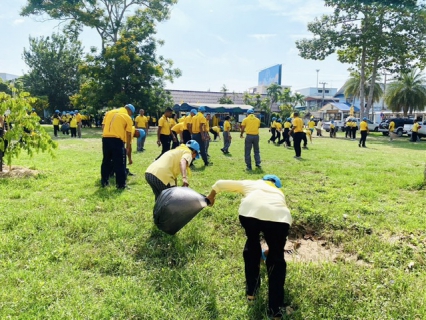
(263, 209)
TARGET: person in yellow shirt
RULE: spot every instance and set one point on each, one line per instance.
(226, 135)
(141, 122)
(391, 130)
(182, 118)
(363, 127)
(73, 125)
(415, 131)
(286, 134)
(297, 134)
(200, 133)
(56, 121)
(177, 131)
(79, 120)
(163, 173)
(278, 130)
(215, 121)
(332, 129)
(354, 128)
(206, 134)
(251, 126)
(164, 134)
(187, 125)
(116, 142)
(263, 209)
(272, 130)
(311, 125)
(215, 130)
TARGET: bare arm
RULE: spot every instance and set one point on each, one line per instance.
(183, 171)
(158, 136)
(129, 146)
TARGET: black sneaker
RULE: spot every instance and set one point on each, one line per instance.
(104, 184)
(249, 169)
(208, 164)
(258, 166)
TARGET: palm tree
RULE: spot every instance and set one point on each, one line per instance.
(353, 84)
(299, 99)
(274, 93)
(408, 93)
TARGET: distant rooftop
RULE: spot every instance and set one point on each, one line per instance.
(8, 76)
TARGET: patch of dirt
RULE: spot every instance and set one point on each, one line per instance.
(17, 172)
(315, 251)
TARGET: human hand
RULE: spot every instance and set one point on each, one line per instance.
(211, 200)
(158, 142)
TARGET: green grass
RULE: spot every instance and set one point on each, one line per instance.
(70, 249)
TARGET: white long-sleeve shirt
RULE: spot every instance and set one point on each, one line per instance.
(261, 200)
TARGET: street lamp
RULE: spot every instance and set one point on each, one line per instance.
(317, 79)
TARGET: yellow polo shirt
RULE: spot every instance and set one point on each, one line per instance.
(141, 122)
(197, 121)
(55, 121)
(165, 125)
(298, 125)
(187, 120)
(172, 122)
(391, 126)
(167, 167)
(415, 127)
(251, 124)
(311, 124)
(363, 126)
(273, 123)
(262, 200)
(287, 125)
(73, 122)
(216, 129)
(227, 126)
(181, 119)
(207, 126)
(116, 125)
(278, 126)
(78, 117)
(178, 128)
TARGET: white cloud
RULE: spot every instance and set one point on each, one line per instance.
(18, 21)
(262, 36)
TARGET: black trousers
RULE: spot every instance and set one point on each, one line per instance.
(214, 133)
(297, 139)
(354, 133)
(175, 144)
(197, 137)
(114, 158)
(55, 130)
(275, 234)
(73, 132)
(413, 136)
(363, 138)
(165, 144)
(305, 140)
(186, 136)
(156, 184)
(273, 132)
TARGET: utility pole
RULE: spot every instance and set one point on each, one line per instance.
(323, 91)
(318, 70)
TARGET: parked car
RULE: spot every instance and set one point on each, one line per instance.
(399, 126)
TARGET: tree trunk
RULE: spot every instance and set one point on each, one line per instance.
(372, 86)
(362, 83)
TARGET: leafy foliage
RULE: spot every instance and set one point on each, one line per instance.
(53, 63)
(407, 94)
(26, 133)
(371, 35)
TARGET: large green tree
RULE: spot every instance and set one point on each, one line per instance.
(53, 68)
(352, 87)
(372, 35)
(107, 17)
(408, 93)
(128, 71)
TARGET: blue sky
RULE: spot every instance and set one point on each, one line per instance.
(213, 42)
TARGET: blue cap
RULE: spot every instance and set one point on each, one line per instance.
(250, 111)
(365, 118)
(71, 113)
(332, 121)
(141, 135)
(194, 111)
(289, 119)
(279, 120)
(273, 178)
(188, 114)
(130, 107)
(194, 146)
(75, 111)
(202, 109)
(57, 111)
(274, 118)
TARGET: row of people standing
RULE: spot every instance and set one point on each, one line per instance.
(72, 121)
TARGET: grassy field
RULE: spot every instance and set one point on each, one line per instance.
(72, 250)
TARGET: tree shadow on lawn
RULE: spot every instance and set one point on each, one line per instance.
(400, 143)
(162, 251)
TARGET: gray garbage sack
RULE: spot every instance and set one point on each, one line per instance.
(175, 207)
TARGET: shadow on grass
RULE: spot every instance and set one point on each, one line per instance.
(400, 143)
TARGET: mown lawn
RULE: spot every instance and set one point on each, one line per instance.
(70, 249)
